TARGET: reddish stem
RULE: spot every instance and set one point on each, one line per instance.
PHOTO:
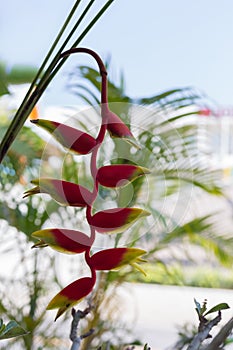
(88, 261)
(102, 68)
(99, 139)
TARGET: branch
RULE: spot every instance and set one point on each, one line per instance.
(74, 337)
(221, 336)
(204, 332)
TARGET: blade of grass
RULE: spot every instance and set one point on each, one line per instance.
(57, 64)
(61, 32)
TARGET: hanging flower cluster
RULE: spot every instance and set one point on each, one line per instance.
(70, 194)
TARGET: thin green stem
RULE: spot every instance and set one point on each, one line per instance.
(76, 25)
(92, 23)
(76, 43)
(55, 66)
(32, 97)
(57, 56)
(50, 52)
(23, 111)
(61, 32)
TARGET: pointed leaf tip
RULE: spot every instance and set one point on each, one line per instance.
(34, 121)
(11, 330)
(218, 307)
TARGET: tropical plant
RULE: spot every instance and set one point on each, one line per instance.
(161, 239)
(168, 136)
(22, 160)
(24, 273)
(169, 150)
(108, 221)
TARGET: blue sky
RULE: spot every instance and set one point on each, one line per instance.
(158, 44)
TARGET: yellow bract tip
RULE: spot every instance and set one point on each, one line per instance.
(138, 267)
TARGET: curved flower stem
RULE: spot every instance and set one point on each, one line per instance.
(102, 68)
(104, 105)
(104, 91)
(88, 216)
(99, 140)
(94, 170)
(32, 97)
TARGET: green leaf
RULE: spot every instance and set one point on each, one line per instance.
(21, 74)
(218, 307)
(228, 341)
(198, 307)
(11, 330)
(3, 88)
(3, 83)
(2, 326)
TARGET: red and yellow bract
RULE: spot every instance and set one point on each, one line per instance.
(118, 129)
(64, 192)
(73, 139)
(71, 295)
(62, 240)
(70, 194)
(120, 174)
(116, 220)
(115, 258)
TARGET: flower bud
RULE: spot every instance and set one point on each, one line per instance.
(62, 240)
(73, 139)
(119, 175)
(118, 129)
(64, 192)
(116, 220)
(115, 258)
(71, 295)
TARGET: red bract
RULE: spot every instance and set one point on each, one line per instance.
(114, 258)
(118, 129)
(116, 220)
(62, 240)
(64, 192)
(70, 194)
(71, 295)
(119, 175)
(75, 140)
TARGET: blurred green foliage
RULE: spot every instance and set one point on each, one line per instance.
(168, 149)
(15, 75)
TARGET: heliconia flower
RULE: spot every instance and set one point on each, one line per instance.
(71, 295)
(120, 174)
(62, 240)
(64, 192)
(118, 129)
(115, 258)
(73, 139)
(116, 220)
